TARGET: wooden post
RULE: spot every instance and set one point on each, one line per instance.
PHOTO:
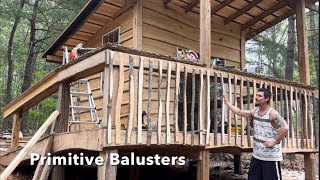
(205, 32)
(106, 171)
(137, 25)
(304, 75)
(310, 172)
(16, 126)
(203, 165)
(61, 124)
(302, 42)
(243, 50)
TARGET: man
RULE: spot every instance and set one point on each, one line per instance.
(269, 129)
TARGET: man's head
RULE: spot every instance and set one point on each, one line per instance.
(263, 96)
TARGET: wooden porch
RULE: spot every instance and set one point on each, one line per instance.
(182, 104)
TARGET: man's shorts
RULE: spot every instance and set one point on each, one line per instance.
(264, 170)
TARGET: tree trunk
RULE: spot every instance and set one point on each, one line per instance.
(315, 43)
(31, 59)
(290, 48)
(8, 98)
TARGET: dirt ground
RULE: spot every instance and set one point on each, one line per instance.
(292, 167)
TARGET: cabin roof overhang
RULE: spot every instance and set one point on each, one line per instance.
(254, 16)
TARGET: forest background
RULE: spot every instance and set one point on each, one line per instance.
(28, 27)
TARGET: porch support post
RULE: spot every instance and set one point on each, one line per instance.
(205, 32)
(137, 25)
(243, 50)
(61, 124)
(106, 171)
(203, 165)
(303, 56)
(63, 105)
(16, 126)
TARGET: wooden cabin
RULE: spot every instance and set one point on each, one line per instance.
(150, 100)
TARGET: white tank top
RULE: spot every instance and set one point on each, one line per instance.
(264, 131)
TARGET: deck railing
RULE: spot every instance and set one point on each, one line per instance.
(158, 101)
(196, 107)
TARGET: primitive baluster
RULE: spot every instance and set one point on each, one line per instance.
(222, 109)
(315, 120)
(119, 99)
(291, 129)
(287, 115)
(281, 108)
(159, 103)
(109, 95)
(176, 99)
(241, 106)
(208, 109)
(297, 117)
(139, 101)
(200, 103)
(276, 97)
(235, 115)
(185, 105)
(149, 129)
(301, 118)
(271, 90)
(310, 123)
(229, 111)
(193, 104)
(168, 104)
(215, 109)
(305, 117)
(248, 107)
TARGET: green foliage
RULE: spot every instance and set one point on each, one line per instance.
(271, 52)
(53, 16)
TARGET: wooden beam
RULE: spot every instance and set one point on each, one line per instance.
(242, 11)
(29, 145)
(272, 23)
(122, 10)
(221, 6)
(55, 59)
(205, 32)
(303, 55)
(16, 126)
(266, 13)
(137, 25)
(191, 5)
(40, 167)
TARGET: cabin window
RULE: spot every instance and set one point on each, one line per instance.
(112, 37)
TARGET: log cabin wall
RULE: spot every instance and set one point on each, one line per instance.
(125, 23)
(166, 28)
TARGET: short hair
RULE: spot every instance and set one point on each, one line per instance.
(266, 92)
